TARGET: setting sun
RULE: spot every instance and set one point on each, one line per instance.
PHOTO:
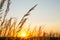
(23, 34)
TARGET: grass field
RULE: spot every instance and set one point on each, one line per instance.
(9, 30)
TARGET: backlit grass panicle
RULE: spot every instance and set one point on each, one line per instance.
(27, 14)
(5, 14)
(31, 9)
(2, 3)
(40, 31)
(7, 25)
(20, 27)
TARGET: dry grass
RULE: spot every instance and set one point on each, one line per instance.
(11, 29)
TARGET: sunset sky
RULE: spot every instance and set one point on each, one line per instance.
(46, 13)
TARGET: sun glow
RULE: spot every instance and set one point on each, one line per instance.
(23, 34)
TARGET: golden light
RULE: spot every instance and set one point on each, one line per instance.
(23, 34)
